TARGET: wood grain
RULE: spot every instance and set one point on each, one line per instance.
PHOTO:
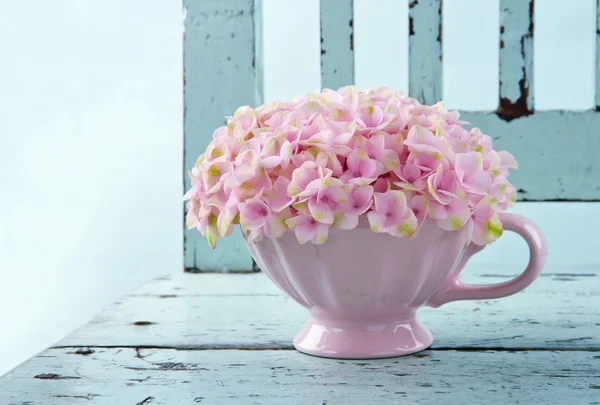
(129, 376)
(558, 312)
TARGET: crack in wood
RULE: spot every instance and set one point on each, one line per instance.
(292, 348)
(54, 376)
(145, 401)
(89, 396)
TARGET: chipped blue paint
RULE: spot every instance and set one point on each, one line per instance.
(425, 51)
(516, 58)
(337, 43)
(222, 71)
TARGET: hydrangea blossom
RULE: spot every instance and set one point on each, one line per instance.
(326, 159)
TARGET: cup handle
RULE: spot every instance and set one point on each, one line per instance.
(453, 289)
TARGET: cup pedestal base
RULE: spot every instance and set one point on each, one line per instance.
(363, 338)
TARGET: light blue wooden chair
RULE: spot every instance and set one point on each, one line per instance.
(223, 70)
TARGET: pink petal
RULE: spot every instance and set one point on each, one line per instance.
(321, 234)
(377, 144)
(381, 185)
(377, 222)
(253, 214)
(276, 224)
(355, 158)
(362, 195)
(279, 200)
(433, 182)
(478, 182)
(384, 202)
(362, 181)
(420, 207)
(408, 226)
(458, 215)
(400, 206)
(390, 160)
(368, 168)
(467, 163)
(345, 222)
(336, 194)
(395, 143)
(487, 232)
(320, 211)
(305, 232)
(270, 162)
(507, 160)
(225, 219)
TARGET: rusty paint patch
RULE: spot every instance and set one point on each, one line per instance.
(531, 13)
(509, 110)
(413, 3)
(411, 26)
(501, 44)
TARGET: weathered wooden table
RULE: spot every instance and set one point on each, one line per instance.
(226, 339)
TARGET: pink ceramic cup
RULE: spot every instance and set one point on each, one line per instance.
(363, 288)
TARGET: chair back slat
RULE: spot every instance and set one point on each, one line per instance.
(425, 50)
(516, 58)
(222, 71)
(337, 43)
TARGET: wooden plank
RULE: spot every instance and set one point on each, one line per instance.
(150, 376)
(425, 51)
(337, 43)
(556, 152)
(556, 312)
(516, 58)
(222, 71)
(598, 55)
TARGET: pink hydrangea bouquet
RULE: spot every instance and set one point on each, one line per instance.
(327, 159)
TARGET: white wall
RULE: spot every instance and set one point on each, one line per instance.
(90, 132)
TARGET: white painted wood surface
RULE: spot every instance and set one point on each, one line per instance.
(559, 311)
(164, 344)
(164, 376)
